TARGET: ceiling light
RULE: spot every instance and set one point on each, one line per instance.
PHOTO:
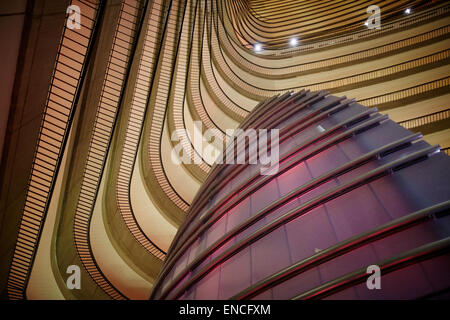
(257, 47)
(366, 24)
(293, 42)
(408, 11)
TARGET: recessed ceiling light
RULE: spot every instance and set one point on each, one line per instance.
(408, 11)
(366, 24)
(257, 47)
(293, 42)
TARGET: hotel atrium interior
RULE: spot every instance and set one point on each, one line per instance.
(100, 98)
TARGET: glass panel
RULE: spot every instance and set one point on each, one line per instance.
(310, 233)
(235, 274)
(238, 214)
(274, 244)
(299, 283)
(208, 287)
(356, 212)
(264, 196)
(295, 177)
(407, 283)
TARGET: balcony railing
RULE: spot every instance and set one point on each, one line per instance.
(117, 71)
(426, 119)
(139, 102)
(65, 86)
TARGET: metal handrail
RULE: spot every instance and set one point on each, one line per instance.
(406, 93)
(426, 119)
(387, 229)
(64, 92)
(117, 71)
(162, 92)
(357, 35)
(249, 30)
(139, 102)
(416, 255)
(214, 212)
(261, 93)
(363, 179)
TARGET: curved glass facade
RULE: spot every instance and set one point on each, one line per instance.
(352, 189)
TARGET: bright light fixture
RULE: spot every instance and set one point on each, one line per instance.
(408, 11)
(257, 47)
(366, 24)
(293, 42)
